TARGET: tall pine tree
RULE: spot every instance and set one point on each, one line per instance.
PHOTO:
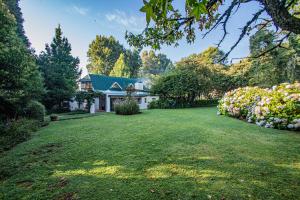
(20, 80)
(14, 8)
(120, 68)
(60, 71)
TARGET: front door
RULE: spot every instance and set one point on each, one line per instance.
(102, 103)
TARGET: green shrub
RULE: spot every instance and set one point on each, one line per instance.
(205, 103)
(277, 107)
(15, 132)
(126, 107)
(35, 110)
(169, 104)
(54, 117)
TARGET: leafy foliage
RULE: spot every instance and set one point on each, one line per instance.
(212, 74)
(14, 8)
(120, 68)
(171, 24)
(103, 53)
(133, 61)
(181, 86)
(126, 107)
(106, 54)
(15, 132)
(20, 80)
(170, 104)
(153, 64)
(88, 96)
(35, 110)
(60, 71)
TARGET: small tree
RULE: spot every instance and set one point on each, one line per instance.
(88, 96)
(180, 86)
(79, 97)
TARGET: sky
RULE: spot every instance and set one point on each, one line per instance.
(82, 20)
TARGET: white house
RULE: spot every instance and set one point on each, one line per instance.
(114, 88)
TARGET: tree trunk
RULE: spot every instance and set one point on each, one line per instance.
(281, 16)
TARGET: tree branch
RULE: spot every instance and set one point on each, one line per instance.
(243, 33)
(278, 45)
(281, 16)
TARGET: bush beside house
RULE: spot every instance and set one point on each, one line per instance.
(35, 110)
(127, 107)
(171, 104)
(276, 107)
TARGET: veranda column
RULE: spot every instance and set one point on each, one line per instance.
(107, 103)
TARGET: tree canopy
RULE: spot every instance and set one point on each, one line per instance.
(20, 80)
(155, 64)
(103, 53)
(14, 8)
(120, 68)
(170, 24)
(60, 70)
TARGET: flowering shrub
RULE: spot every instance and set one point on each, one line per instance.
(277, 107)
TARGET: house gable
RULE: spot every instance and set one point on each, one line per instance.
(103, 83)
(116, 86)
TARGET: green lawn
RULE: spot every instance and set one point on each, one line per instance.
(159, 154)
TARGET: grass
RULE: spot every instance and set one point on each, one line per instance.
(160, 154)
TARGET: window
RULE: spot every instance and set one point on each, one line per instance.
(139, 100)
(153, 99)
(145, 100)
(86, 85)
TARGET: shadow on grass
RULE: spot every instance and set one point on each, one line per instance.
(183, 177)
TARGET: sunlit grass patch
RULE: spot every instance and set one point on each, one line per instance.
(159, 154)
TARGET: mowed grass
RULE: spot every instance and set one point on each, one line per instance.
(159, 154)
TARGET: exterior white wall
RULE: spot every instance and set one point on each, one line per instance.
(144, 104)
(73, 105)
(96, 104)
(107, 103)
(139, 86)
(152, 98)
(92, 108)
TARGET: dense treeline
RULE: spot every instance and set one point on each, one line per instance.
(201, 76)
(21, 84)
(28, 81)
(20, 79)
(107, 56)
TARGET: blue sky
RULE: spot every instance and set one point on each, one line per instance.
(82, 20)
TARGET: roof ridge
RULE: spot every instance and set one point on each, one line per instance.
(113, 76)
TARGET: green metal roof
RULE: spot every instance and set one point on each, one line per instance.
(102, 82)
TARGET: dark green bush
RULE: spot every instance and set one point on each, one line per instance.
(35, 110)
(15, 132)
(127, 107)
(54, 117)
(76, 112)
(169, 104)
(205, 103)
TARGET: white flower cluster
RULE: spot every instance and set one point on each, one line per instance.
(277, 107)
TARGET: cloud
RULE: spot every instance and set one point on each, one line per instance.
(80, 10)
(130, 22)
